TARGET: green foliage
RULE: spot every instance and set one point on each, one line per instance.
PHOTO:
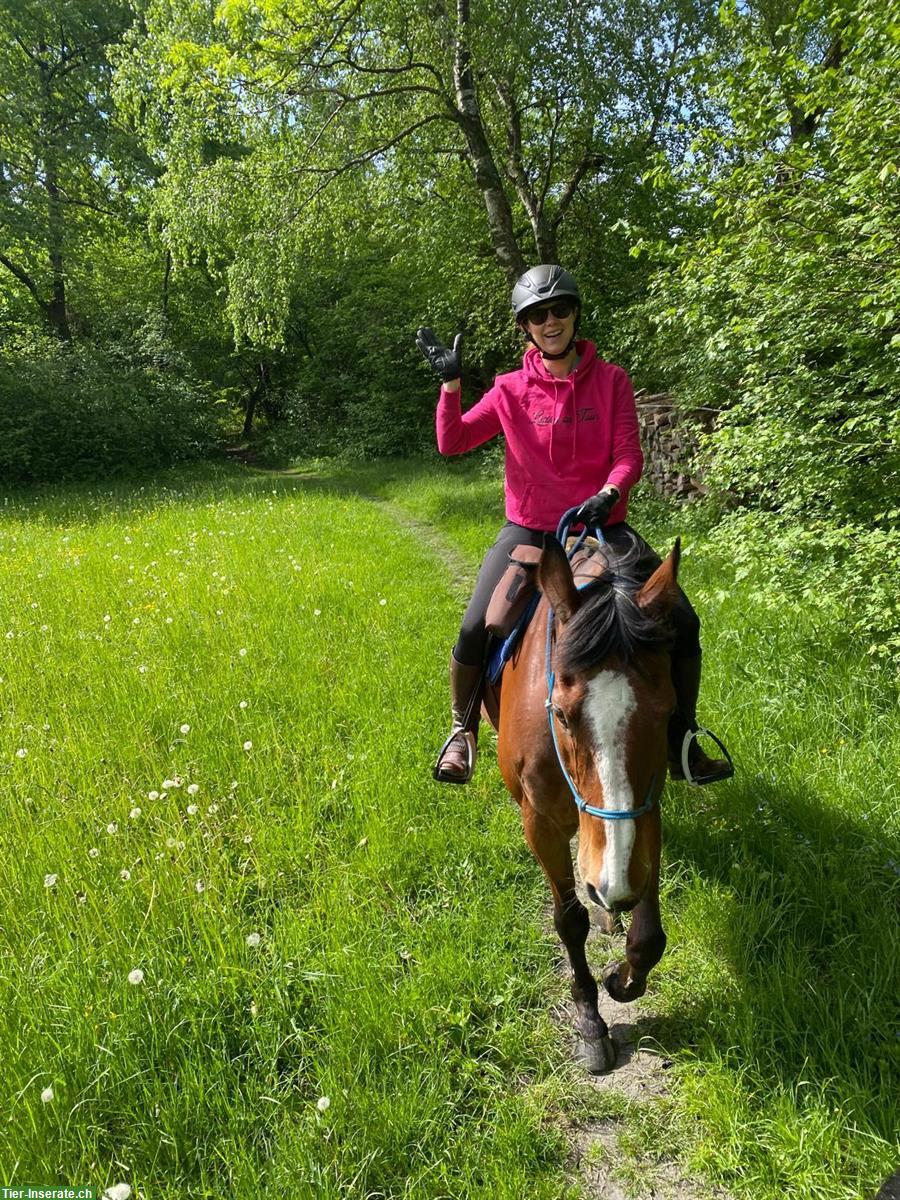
(83, 411)
(783, 311)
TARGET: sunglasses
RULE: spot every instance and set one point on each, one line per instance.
(561, 309)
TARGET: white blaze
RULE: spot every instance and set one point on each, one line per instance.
(608, 706)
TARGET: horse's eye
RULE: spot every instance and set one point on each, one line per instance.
(561, 717)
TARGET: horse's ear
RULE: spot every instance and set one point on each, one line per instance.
(660, 592)
(555, 579)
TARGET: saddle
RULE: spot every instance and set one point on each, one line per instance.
(515, 598)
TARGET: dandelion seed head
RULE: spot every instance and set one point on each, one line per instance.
(47, 1095)
(243, 704)
(248, 745)
(135, 813)
(253, 939)
(50, 881)
(192, 810)
(323, 1104)
(112, 827)
(93, 852)
(184, 729)
(118, 1191)
(199, 887)
(136, 977)
(21, 752)
(243, 651)
(154, 795)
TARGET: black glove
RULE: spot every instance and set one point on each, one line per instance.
(594, 513)
(447, 363)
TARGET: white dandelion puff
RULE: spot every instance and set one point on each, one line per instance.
(136, 977)
(93, 852)
(21, 752)
(50, 881)
(192, 810)
(124, 874)
(135, 813)
(199, 887)
(323, 1104)
(47, 1095)
(248, 745)
(193, 789)
(112, 827)
(253, 939)
(154, 795)
(168, 784)
(243, 651)
(382, 602)
(184, 729)
(243, 704)
(118, 1191)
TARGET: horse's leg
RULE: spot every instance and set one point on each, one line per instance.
(550, 845)
(644, 947)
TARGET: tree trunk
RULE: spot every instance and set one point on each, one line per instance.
(487, 177)
(253, 400)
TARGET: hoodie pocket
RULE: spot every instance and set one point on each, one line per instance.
(544, 503)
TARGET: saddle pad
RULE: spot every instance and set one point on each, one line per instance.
(588, 564)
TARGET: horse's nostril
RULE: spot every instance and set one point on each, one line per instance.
(595, 897)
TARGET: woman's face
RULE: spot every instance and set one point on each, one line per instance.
(552, 326)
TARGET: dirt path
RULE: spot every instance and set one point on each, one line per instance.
(640, 1074)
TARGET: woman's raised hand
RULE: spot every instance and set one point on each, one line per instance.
(447, 363)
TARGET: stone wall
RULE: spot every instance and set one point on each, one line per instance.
(669, 442)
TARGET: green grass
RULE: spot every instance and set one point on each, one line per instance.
(402, 970)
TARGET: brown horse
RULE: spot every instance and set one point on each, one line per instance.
(582, 746)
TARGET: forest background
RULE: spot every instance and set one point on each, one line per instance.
(230, 218)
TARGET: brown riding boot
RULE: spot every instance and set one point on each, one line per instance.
(456, 761)
(687, 761)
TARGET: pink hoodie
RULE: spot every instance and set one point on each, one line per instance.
(565, 438)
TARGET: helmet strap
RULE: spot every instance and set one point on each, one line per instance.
(562, 354)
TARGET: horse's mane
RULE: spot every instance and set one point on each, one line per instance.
(609, 624)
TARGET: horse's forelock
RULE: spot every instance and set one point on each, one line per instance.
(610, 625)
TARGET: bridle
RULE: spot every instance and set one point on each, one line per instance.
(606, 814)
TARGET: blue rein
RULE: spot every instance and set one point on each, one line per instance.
(606, 814)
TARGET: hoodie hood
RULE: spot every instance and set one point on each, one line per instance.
(563, 448)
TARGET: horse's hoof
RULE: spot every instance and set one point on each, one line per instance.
(597, 1056)
(624, 993)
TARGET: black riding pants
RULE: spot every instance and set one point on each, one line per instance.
(621, 538)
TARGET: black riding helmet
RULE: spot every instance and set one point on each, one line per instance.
(540, 285)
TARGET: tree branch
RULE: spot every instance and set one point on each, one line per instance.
(25, 278)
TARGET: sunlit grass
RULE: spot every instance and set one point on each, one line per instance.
(313, 918)
(259, 670)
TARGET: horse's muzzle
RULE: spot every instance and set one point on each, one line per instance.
(614, 906)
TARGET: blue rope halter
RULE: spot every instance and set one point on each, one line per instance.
(606, 814)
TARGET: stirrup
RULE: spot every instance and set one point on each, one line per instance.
(442, 776)
(689, 738)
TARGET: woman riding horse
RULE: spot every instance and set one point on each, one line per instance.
(570, 425)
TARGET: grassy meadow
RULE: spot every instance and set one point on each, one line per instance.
(248, 948)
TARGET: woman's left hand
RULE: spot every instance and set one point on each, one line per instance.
(594, 513)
